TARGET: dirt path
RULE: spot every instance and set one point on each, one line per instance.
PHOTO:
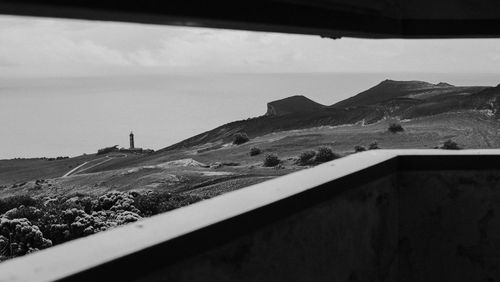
(104, 160)
(73, 170)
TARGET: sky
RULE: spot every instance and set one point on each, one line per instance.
(70, 86)
(68, 47)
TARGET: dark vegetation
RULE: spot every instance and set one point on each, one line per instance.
(240, 138)
(108, 150)
(307, 158)
(29, 224)
(323, 154)
(55, 159)
(254, 151)
(359, 148)
(44, 158)
(271, 160)
(450, 145)
(373, 146)
(395, 128)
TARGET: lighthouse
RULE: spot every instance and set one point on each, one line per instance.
(132, 140)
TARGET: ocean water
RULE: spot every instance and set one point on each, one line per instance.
(74, 115)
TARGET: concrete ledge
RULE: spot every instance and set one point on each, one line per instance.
(139, 249)
(340, 18)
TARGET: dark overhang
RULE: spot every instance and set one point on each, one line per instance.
(330, 18)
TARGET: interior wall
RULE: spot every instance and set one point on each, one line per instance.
(351, 237)
(449, 226)
(413, 226)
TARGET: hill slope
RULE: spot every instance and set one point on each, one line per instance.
(389, 99)
(293, 104)
(390, 89)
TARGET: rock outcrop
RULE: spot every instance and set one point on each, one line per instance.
(293, 104)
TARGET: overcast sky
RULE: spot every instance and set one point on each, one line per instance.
(69, 47)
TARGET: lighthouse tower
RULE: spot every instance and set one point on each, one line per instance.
(132, 140)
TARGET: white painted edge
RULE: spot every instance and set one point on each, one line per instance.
(78, 255)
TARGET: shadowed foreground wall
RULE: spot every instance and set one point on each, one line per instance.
(449, 226)
(410, 226)
(351, 237)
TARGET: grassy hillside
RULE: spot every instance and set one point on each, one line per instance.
(390, 89)
(23, 170)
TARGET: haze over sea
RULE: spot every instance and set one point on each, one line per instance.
(69, 116)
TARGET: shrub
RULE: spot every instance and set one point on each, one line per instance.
(254, 151)
(51, 221)
(325, 154)
(279, 166)
(19, 236)
(306, 158)
(107, 150)
(240, 138)
(28, 212)
(17, 201)
(373, 146)
(150, 204)
(157, 202)
(271, 160)
(395, 128)
(450, 145)
(117, 201)
(80, 224)
(359, 148)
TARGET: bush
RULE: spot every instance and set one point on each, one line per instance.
(254, 151)
(373, 146)
(28, 224)
(30, 213)
(325, 154)
(271, 160)
(117, 201)
(450, 145)
(19, 236)
(150, 203)
(306, 158)
(395, 128)
(107, 150)
(240, 138)
(359, 148)
(17, 201)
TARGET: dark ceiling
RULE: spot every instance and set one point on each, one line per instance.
(331, 18)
